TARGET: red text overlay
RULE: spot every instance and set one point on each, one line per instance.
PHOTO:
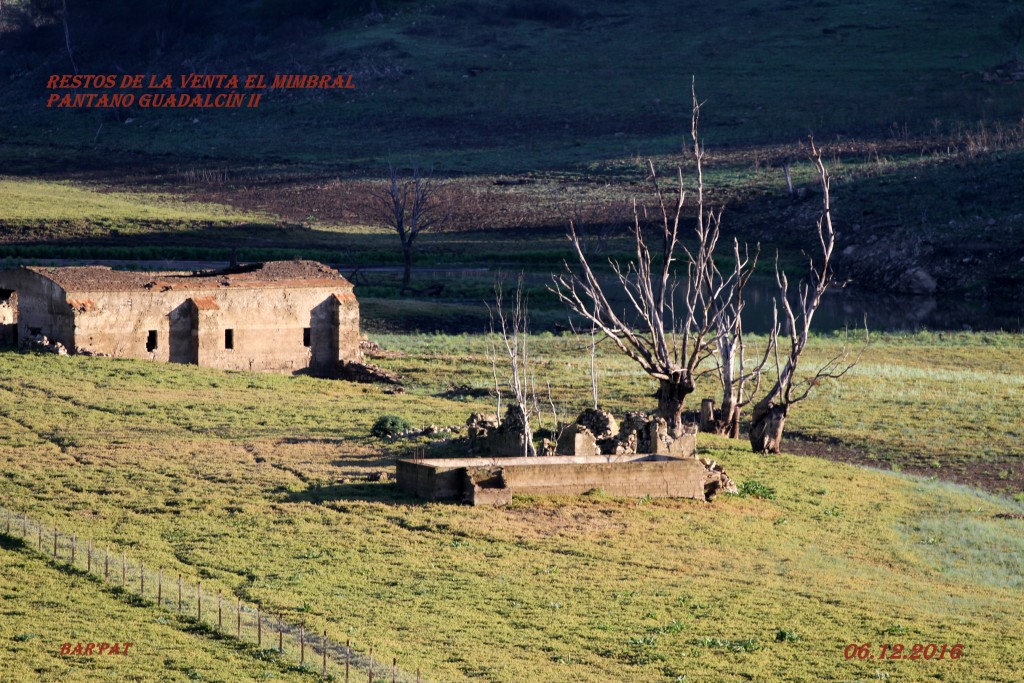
(181, 91)
(94, 649)
(901, 651)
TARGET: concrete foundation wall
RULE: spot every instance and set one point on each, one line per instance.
(639, 475)
(666, 479)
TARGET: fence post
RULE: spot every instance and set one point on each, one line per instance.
(179, 592)
(160, 587)
(74, 546)
(39, 545)
(124, 571)
(259, 627)
(371, 665)
(394, 670)
(220, 621)
(280, 633)
(88, 558)
(418, 675)
(142, 578)
(238, 612)
(55, 541)
(8, 522)
(302, 644)
(24, 526)
(323, 670)
(199, 599)
(348, 656)
(106, 562)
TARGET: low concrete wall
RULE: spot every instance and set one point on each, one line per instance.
(636, 475)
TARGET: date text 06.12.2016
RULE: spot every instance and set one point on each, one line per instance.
(900, 651)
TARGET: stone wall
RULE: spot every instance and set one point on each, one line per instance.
(271, 328)
(476, 480)
(41, 307)
(8, 317)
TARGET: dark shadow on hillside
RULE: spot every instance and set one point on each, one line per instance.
(364, 491)
(297, 440)
(12, 543)
(364, 462)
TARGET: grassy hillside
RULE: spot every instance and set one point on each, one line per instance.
(508, 86)
(44, 607)
(258, 485)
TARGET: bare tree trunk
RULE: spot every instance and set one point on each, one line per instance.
(67, 35)
(728, 423)
(407, 270)
(671, 395)
(734, 423)
(766, 425)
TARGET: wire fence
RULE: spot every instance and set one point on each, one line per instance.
(221, 614)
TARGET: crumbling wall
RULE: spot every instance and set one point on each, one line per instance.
(493, 481)
(264, 326)
(8, 317)
(41, 308)
(597, 432)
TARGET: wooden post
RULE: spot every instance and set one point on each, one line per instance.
(280, 633)
(8, 522)
(371, 665)
(220, 620)
(418, 675)
(707, 415)
(259, 627)
(199, 599)
(55, 541)
(394, 670)
(238, 613)
(302, 644)
(74, 546)
(39, 546)
(323, 669)
(348, 656)
(24, 526)
(179, 592)
(106, 562)
(160, 587)
(88, 558)
(142, 578)
(124, 571)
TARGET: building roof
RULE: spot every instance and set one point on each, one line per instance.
(270, 274)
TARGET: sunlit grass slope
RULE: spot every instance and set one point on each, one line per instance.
(256, 484)
(44, 209)
(43, 607)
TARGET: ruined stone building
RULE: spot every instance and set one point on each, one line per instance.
(282, 316)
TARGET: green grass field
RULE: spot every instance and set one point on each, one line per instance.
(257, 484)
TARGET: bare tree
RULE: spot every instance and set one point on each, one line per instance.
(1012, 26)
(731, 345)
(768, 418)
(669, 331)
(513, 331)
(411, 206)
(67, 34)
